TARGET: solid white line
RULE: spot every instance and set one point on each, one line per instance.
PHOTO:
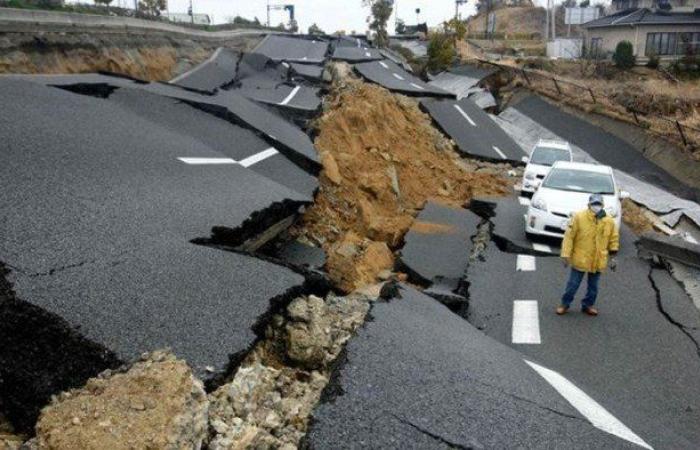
(524, 201)
(526, 263)
(526, 322)
(256, 158)
(202, 161)
(421, 88)
(500, 153)
(383, 64)
(542, 247)
(290, 96)
(461, 111)
(397, 76)
(194, 69)
(589, 408)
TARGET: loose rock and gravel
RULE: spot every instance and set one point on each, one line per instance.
(155, 404)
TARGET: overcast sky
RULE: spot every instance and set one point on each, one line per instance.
(330, 15)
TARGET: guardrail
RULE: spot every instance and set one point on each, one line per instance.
(14, 16)
(558, 88)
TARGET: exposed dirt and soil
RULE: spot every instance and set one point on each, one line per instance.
(382, 159)
(156, 403)
(149, 57)
(636, 217)
(9, 440)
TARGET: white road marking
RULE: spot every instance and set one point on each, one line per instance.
(589, 408)
(526, 263)
(285, 64)
(500, 153)
(526, 322)
(383, 64)
(290, 96)
(203, 161)
(368, 54)
(524, 201)
(465, 115)
(249, 161)
(420, 88)
(195, 69)
(542, 247)
(398, 77)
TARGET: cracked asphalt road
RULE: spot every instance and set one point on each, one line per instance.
(638, 364)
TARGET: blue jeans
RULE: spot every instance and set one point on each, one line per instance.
(572, 286)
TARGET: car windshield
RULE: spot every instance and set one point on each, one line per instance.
(580, 181)
(547, 156)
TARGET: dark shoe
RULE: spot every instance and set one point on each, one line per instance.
(591, 311)
(561, 310)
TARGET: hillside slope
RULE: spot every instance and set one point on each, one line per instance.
(514, 20)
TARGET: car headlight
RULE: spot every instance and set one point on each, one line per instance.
(529, 175)
(539, 203)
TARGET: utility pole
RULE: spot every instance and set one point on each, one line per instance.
(268, 13)
(554, 20)
(546, 22)
(417, 16)
(191, 11)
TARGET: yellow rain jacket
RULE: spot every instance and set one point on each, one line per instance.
(588, 240)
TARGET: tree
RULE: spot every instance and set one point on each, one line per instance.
(441, 52)
(457, 27)
(315, 29)
(293, 26)
(569, 3)
(104, 2)
(381, 11)
(624, 55)
(400, 27)
(152, 7)
(585, 3)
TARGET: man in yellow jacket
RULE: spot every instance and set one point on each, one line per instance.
(589, 239)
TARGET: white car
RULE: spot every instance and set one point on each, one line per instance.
(542, 157)
(565, 191)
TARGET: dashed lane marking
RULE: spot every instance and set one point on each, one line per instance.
(524, 201)
(500, 153)
(465, 115)
(206, 161)
(420, 88)
(383, 64)
(526, 322)
(542, 247)
(290, 96)
(598, 416)
(526, 263)
(368, 54)
(195, 69)
(249, 161)
(398, 77)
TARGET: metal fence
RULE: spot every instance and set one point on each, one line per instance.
(557, 88)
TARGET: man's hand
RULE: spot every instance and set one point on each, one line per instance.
(613, 264)
(565, 261)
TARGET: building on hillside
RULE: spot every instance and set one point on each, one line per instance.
(668, 29)
(199, 19)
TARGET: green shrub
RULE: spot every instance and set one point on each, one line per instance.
(653, 62)
(624, 55)
(441, 52)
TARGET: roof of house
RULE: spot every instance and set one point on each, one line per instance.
(644, 16)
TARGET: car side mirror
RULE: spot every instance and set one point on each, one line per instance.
(624, 195)
(525, 159)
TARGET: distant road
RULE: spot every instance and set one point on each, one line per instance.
(25, 20)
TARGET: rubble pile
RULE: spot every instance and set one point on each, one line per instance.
(382, 160)
(268, 402)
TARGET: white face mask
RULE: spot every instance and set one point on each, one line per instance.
(596, 208)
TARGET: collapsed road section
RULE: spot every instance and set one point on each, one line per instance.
(100, 241)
